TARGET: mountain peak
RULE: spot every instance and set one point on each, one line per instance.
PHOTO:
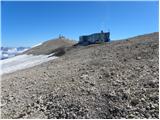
(50, 45)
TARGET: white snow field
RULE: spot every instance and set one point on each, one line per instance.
(22, 62)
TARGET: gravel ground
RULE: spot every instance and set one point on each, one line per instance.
(113, 80)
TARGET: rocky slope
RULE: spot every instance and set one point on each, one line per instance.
(49, 46)
(112, 80)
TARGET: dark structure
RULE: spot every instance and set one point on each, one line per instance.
(94, 38)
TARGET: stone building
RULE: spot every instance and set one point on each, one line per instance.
(94, 38)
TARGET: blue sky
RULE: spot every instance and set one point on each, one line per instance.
(29, 23)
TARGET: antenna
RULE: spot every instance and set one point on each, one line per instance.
(103, 26)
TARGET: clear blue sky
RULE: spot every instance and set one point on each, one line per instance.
(29, 23)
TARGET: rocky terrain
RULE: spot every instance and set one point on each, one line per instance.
(119, 79)
(49, 46)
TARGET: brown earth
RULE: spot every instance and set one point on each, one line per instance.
(119, 79)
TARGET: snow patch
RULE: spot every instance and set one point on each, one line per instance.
(22, 62)
(36, 45)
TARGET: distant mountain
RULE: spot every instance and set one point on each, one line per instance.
(7, 52)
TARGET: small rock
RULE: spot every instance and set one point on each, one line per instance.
(146, 115)
(84, 76)
(114, 83)
(23, 78)
(131, 116)
(92, 84)
(128, 106)
(134, 102)
(148, 107)
(124, 60)
(138, 58)
(152, 106)
(86, 82)
(100, 77)
(72, 80)
(112, 73)
(152, 84)
(143, 100)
